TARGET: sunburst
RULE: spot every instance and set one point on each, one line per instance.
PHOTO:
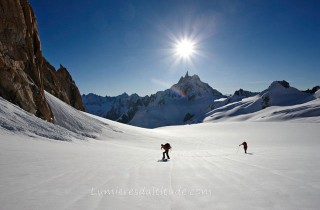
(185, 48)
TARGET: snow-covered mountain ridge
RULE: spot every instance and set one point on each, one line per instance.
(191, 101)
(182, 102)
(278, 98)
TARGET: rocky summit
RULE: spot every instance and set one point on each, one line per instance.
(24, 72)
(60, 84)
(192, 87)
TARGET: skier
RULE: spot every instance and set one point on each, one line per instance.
(166, 148)
(245, 146)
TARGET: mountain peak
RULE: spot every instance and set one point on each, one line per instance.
(192, 87)
(279, 84)
(187, 78)
(244, 93)
(123, 95)
(284, 83)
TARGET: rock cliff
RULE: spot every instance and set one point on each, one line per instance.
(60, 84)
(24, 73)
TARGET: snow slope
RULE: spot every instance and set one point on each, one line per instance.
(15, 120)
(317, 94)
(275, 103)
(306, 112)
(120, 169)
(172, 113)
(73, 120)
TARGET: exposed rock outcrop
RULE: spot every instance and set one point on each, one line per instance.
(284, 83)
(24, 73)
(239, 95)
(69, 88)
(60, 84)
(21, 59)
(313, 90)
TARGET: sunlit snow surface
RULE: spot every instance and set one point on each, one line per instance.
(119, 168)
(285, 104)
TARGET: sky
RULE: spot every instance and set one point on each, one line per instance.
(116, 46)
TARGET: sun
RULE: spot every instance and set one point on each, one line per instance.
(185, 48)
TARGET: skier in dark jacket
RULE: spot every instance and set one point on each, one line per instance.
(166, 148)
(245, 146)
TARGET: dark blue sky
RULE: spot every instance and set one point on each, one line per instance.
(111, 47)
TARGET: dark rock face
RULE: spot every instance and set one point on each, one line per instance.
(69, 88)
(284, 83)
(24, 73)
(313, 90)
(21, 59)
(244, 93)
(60, 84)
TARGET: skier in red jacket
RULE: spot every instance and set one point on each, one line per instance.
(245, 146)
(166, 148)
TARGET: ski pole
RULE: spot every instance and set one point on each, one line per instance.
(238, 149)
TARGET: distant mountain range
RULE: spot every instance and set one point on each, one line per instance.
(192, 101)
(184, 101)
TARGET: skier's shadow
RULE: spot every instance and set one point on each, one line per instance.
(249, 153)
(163, 160)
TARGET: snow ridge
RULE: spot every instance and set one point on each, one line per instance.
(278, 99)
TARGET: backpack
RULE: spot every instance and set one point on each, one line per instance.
(167, 145)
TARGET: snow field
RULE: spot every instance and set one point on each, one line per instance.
(119, 168)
